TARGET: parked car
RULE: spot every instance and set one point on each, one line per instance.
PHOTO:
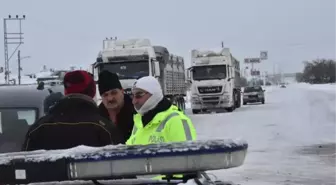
(282, 85)
(20, 107)
(253, 94)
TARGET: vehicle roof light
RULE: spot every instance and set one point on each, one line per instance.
(107, 162)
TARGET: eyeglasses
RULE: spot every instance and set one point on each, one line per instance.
(138, 95)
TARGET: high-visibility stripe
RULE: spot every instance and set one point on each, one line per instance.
(187, 130)
(186, 127)
(165, 121)
(134, 130)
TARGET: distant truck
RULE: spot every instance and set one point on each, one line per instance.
(134, 58)
(215, 81)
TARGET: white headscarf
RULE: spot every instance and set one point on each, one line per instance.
(151, 85)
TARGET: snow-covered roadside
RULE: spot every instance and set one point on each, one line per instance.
(292, 120)
(330, 88)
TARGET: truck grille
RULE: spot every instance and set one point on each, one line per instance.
(210, 89)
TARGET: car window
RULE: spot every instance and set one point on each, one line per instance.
(12, 118)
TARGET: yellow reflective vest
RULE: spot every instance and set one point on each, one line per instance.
(171, 125)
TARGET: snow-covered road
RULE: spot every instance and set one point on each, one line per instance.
(291, 137)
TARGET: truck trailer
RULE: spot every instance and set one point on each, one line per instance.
(134, 58)
(215, 81)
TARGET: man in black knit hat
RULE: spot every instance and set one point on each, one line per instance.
(116, 105)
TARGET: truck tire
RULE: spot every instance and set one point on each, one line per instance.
(195, 111)
(239, 99)
(244, 103)
(176, 101)
(263, 101)
(230, 109)
(235, 101)
(183, 104)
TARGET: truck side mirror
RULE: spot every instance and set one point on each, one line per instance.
(157, 68)
(189, 74)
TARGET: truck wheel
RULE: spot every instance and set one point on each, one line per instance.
(183, 104)
(239, 99)
(244, 103)
(230, 109)
(235, 100)
(263, 101)
(195, 111)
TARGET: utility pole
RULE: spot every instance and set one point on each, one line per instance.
(11, 38)
(19, 67)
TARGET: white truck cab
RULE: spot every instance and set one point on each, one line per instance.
(134, 58)
(214, 78)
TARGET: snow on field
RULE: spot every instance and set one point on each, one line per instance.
(291, 137)
(331, 88)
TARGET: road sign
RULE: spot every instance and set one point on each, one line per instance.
(252, 60)
(255, 73)
(263, 55)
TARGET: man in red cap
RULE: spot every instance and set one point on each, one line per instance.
(74, 120)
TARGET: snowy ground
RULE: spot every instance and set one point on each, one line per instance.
(291, 137)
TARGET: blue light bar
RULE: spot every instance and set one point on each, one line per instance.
(112, 161)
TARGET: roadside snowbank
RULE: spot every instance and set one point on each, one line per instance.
(330, 88)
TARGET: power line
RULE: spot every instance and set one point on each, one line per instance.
(11, 38)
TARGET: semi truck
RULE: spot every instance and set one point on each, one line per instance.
(134, 58)
(215, 81)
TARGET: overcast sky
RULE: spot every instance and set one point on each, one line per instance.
(62, 33)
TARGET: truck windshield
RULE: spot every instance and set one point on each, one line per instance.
(128, 70)
(209, 72)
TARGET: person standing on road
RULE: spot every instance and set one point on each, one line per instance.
(74, 120)
(157, 120)
(116, 105)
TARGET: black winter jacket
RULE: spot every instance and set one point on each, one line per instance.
(125, 121)
(73, 121)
